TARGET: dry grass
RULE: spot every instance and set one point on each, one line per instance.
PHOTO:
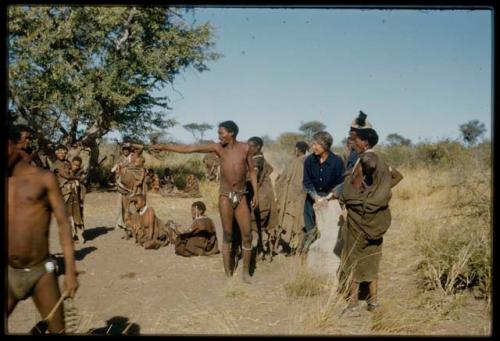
(304, 282)
(210, 192)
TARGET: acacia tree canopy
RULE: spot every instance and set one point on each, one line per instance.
(75, 73)
(198, 129)
(311, 127)
(472, 131)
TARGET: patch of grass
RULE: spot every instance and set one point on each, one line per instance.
(306, 283)
(210, 192)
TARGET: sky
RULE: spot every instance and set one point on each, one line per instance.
(418, 73)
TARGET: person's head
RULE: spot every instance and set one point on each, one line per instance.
(14, 135)
(76, 164)
(301, 148)
(365, 139)
(228, 130)
(255, 144)
(167, 171)
(25, 137)
(61, 152)
(126, 149)
(322, 142)
(139, 201)
(139, 161)
(197, 209)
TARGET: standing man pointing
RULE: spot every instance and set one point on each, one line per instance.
(235, 161)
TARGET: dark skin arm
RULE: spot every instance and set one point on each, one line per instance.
(65, 238)
(253, 180)
(187, 148)
(357, 178)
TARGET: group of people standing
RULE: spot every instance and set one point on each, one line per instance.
(266, 224)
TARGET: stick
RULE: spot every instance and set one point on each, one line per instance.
(42, 326)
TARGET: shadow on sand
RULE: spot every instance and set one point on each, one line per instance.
(117, 325)
(95, 232)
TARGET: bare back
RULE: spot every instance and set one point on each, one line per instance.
(233, 166)
(29, 210)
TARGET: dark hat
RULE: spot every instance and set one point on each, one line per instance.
(361, 122)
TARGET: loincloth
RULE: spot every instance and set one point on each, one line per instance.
(22, 282)
(234, 196)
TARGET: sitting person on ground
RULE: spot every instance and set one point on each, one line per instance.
(155, 183)
(192, 186)
(200, 239)
(168, 182)
(148, 230)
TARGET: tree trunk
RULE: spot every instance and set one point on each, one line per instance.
(93, 172)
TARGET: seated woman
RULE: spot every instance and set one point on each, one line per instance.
(149, 231)
(200, 239)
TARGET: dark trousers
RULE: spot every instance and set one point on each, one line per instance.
(309, 215)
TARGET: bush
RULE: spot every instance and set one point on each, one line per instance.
(104, 178)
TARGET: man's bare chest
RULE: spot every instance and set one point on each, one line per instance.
(25, 192)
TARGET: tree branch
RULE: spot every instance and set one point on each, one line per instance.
(126, 34)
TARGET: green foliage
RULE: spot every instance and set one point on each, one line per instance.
(104, 178)
(310, 128)
(198, 129)
(180, 181)
(286, 141)
(397, 140)
(444, 153)
(77, 72)
(181, 171)
(472, 131)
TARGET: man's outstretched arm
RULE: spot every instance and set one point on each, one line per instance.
(65, 237)
(187, 148)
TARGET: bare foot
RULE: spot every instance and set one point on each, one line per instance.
(246, 278)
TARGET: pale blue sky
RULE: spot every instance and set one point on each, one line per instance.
(413, 72)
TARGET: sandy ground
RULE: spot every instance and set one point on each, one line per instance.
(123, 286)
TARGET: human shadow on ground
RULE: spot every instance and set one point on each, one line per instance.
(79, 255)
(95, 232)
(117, 325)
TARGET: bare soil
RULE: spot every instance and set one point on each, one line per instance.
(126, 289)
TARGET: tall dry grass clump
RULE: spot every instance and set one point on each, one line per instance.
(448, 204)
(306, 283)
